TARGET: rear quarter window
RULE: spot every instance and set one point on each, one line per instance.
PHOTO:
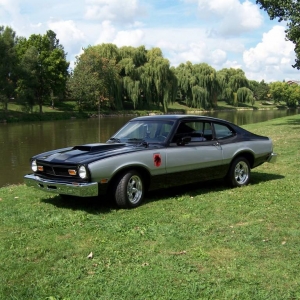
(223, 131)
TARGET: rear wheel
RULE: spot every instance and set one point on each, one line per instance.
(239, 172)
(129, 190)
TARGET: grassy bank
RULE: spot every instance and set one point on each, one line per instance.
(198, 242)
(68, 109)
(16, 113)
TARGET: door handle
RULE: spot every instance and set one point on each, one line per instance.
(218, 145)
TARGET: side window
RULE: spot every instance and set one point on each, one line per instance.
(223, 131)
(198, 131)
(207, 131)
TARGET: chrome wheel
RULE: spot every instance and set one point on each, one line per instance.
(129, 189)
(241, 173)
(134, 189)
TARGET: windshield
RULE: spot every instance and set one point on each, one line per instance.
(143, 131)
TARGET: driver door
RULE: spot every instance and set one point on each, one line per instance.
(199, 159)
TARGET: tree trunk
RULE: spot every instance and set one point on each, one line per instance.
(5, 106)
(40, 105)
(165, 107)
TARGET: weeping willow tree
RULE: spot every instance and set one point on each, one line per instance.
(146, 77)
(158, 79)
(137, 55)
(245, 95)
(200, 97)
(184, 72)
(132, 60)
(108, 51)
(198, 84)
(231, 80)
(229, 96)
(127, 74)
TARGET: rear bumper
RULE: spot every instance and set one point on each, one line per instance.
(272, 158)
(89, 189)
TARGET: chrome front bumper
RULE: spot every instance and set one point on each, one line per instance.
(89, 189)
(272, 158)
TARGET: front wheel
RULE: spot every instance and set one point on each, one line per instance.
(129, 190)
(239, 172)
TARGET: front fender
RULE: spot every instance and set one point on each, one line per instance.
(105, 169)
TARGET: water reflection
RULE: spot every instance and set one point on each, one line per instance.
(252, 116)
(19, 142)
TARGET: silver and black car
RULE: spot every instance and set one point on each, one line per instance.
(152, 152)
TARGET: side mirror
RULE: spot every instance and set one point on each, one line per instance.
(183, 141)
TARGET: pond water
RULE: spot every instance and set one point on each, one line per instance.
(19, 142)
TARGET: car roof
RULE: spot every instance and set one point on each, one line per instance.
(178, 117)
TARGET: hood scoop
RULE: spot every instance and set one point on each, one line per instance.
(97, 147)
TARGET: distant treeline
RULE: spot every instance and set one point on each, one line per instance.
(35, 71)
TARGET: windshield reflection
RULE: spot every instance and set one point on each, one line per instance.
(143, 131)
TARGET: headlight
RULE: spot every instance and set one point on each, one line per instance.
(34, 166)
(82, 172)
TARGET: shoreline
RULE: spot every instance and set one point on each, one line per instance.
(18, 117)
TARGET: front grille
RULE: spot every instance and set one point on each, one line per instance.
(54, 171)
(48, 170)
(59, 171)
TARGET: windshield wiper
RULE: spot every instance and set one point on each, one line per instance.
(142, 142)
(115, 140)
(135, 139)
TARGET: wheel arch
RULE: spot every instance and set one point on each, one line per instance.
(249, 155)
(142, 170)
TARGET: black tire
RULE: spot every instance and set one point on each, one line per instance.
(239, 172)
(129, 190)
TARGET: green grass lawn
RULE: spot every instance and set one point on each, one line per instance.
(196, 242)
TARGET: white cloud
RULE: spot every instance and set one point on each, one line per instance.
(197, 53)
(192, 44)
(232, 64)
(222, 33)
(113, 10)
(218, 57)
(229, 17)
(272, 57)
(70, 37)
(67, 32)
(9, 7)
(129, 37)
(249, 15)
(270, 51)
(107, 33)
(174, 37)
(10, 15)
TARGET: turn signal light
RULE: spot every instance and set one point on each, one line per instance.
(40, 168)
(72, 172)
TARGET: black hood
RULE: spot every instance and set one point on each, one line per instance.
(87, 153)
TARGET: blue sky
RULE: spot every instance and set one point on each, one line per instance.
(222, 33)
